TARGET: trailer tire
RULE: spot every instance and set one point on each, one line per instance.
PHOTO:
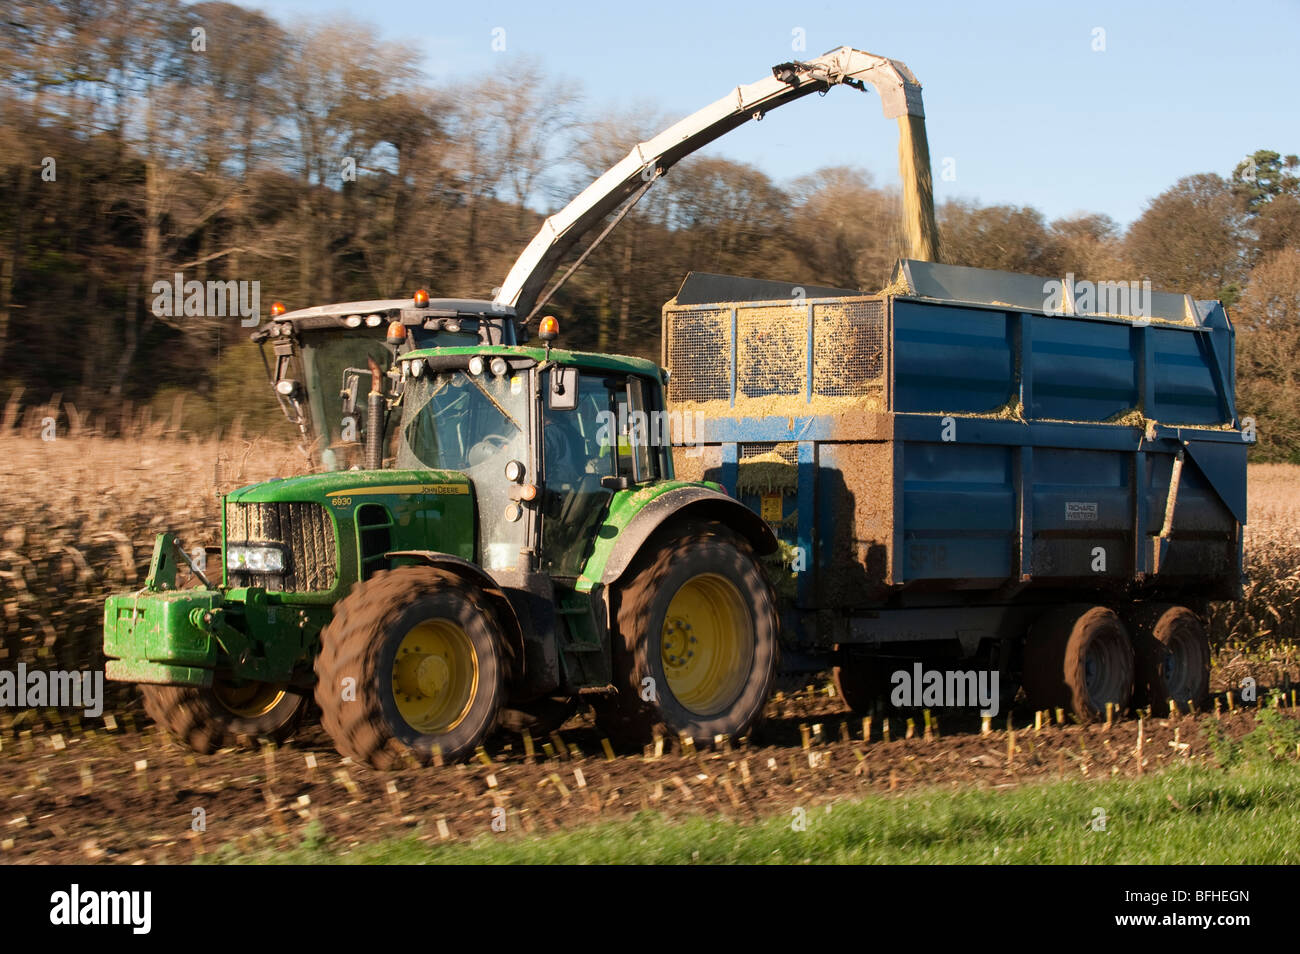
(1172, 651)
(1079, 657)
(226, 715)
(414, 658)
(695, 575)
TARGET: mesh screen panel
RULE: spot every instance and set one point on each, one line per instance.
(771, 351)
(699, 355)
(848, 348)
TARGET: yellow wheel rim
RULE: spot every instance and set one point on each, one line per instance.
(248, 700)
(435, 676)
(707, 644)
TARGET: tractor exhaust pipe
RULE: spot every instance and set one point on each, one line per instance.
(375, 419)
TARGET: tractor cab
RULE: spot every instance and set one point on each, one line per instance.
(545, 437)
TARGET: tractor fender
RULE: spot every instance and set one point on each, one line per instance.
(491, 589)
(699, 503)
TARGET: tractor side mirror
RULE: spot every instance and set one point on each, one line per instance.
(562, 391)
(351, 388)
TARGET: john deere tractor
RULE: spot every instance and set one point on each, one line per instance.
(515, 539)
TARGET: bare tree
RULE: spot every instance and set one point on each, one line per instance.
(507, 137)
(1189, 239)
(1007, 237)
(846, 232)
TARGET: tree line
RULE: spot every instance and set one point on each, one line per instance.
(142, 138)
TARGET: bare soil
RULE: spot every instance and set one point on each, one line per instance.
(130, 796)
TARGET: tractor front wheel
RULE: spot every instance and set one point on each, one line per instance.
(696, 641)
(231, 713)
(412, 662)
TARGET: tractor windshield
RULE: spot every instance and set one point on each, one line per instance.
(461, 421)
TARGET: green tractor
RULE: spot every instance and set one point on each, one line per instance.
(514, 541)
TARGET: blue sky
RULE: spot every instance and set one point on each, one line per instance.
(1014, 92)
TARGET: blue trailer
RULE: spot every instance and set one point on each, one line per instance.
(1042, 479)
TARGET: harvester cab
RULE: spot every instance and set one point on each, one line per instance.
(319, 357)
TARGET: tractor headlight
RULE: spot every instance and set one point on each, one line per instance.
(254, 559)
(476, 365)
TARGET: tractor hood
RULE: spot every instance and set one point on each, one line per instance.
(332, 487)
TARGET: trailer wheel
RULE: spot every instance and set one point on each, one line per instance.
(1079, 657)
(1173, 656)
(231, 713)
(696, 640)
(413, 659)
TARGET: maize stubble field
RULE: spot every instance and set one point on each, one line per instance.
(77, 523)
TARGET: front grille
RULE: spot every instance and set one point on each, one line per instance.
(303, 529)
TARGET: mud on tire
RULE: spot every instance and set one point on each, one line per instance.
(1172, 653)
(697, 574)
(206, 720)
(1079, 657)
(452, 647)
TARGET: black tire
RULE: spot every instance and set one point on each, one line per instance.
(1172, 651)
(228, 715)
(720, 582)
(1079, 658)
(449, 692)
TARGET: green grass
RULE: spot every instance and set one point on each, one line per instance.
(1187, 815)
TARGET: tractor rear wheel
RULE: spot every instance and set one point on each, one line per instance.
(412, 661)
(696, 640)
(1173, 657)
(1079, 658)
(230, 713)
